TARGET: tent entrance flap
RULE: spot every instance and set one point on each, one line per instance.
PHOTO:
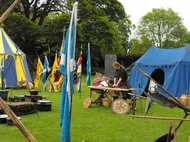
(10, 72)
(157, 75)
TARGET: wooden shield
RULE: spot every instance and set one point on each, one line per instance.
(120, 106)
(87, 102)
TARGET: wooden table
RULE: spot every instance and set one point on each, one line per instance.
(103, 92)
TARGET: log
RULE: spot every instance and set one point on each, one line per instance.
(16, 121)
(159, 118)
(7, 12)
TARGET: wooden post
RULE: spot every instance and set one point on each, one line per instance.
(160, 118)
(16, 121)
(7, 12)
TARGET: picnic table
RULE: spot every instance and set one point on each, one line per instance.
(118, 105)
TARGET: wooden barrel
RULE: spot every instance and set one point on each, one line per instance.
(184, 99)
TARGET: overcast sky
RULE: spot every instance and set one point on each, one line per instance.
(137, 8)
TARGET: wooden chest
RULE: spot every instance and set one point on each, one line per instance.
(23, 108)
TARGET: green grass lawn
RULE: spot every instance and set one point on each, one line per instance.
(96, 124)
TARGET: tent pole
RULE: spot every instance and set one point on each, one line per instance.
(2, 73)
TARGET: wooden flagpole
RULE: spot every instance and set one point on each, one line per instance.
(81, 73)
(160, 118)
(8, 11)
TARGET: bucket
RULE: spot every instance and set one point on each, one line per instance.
(34, 92)
(4, 94)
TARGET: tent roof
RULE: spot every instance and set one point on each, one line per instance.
(158, 56)
(7, 46)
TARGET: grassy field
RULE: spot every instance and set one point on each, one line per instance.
(96, 124)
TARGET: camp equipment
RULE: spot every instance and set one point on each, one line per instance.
(160, 95)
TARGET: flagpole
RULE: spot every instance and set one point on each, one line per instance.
(73, 58)
(66, 68)
(81, 75)
(2, 73)
(80, 85)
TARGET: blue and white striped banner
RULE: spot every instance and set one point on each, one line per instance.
(88, 67)
(46, 70)
(66, 68)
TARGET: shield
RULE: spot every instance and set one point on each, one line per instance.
(120, 106)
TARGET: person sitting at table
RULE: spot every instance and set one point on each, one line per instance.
(120, 78)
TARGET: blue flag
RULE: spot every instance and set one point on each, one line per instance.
(79, 84)
(67, 69)
(129, 46)
(88, 67)
(46, 70)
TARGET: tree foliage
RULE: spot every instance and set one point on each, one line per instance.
(37, 27)
(164, 27)
(105, 25)
(54, 29)
(37, 10)
(24, 33)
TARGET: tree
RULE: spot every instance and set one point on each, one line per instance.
(38, 10)
(164, 27)
(24, 33)
(139, 47)
(34, 39)
(107, 31)
(53, 38)
(105, 25)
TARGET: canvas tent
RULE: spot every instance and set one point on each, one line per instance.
(169, 67)
(13, 60)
